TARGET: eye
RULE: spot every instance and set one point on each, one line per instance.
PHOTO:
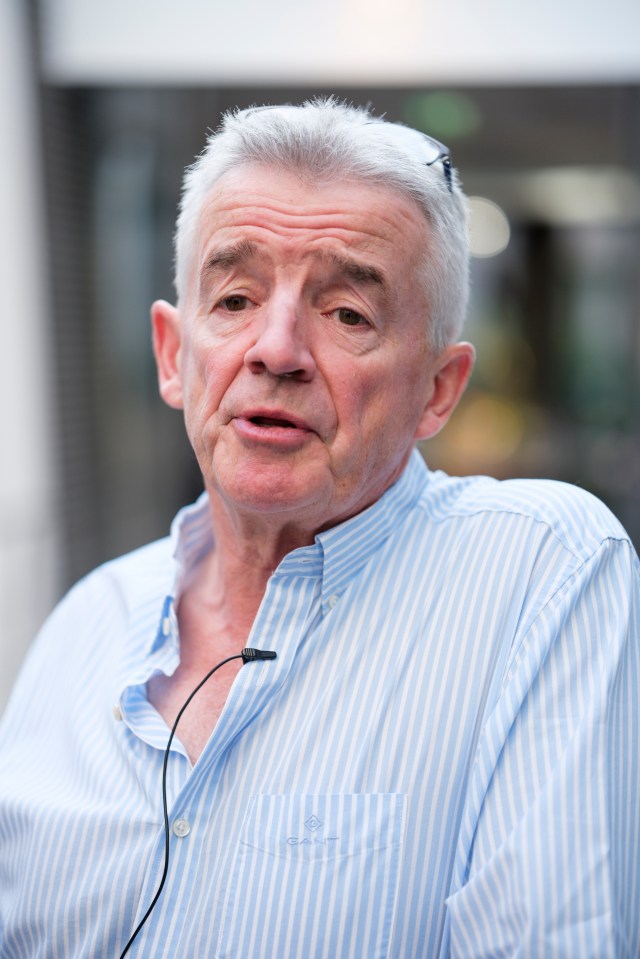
(349, 317)
(235, 303)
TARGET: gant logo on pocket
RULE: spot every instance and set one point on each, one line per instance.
(312, 824)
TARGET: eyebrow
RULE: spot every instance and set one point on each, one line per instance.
(231, 256)
(358, 272)
(228, 257)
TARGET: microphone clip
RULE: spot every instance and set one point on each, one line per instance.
(249, 654)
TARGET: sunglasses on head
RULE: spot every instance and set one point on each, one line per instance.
(421, 146)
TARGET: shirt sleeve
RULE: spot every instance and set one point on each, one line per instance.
(551, 865)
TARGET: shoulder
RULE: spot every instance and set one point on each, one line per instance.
(129, 579)
(99, 612)
(577, 519)
(109, 611)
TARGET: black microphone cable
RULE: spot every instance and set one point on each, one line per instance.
(247, 655)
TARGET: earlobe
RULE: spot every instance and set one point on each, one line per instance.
(449, 378)
(166, 337)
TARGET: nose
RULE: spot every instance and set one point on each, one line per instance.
(281, 346)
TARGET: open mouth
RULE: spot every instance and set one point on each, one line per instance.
(272, 421)
(272, 429)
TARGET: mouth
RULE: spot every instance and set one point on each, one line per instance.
(273, 429)
(274, 418)
(272, 421)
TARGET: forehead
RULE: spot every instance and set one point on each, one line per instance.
(285, 214)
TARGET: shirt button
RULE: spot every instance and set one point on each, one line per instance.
(181, 828)
(117, 712)
(331, 602)
(166, 626)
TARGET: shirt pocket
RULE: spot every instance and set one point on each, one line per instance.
(314, 876)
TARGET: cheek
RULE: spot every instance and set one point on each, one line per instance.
(369, 394)
(385, 403)
(208, 372)
(361, 407)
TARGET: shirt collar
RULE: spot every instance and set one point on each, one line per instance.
(337, 555)
(350, 545)
(191, 539)
(153, 643)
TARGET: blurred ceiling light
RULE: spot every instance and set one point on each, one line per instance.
(577, 195)
(444, 114)
(488, 229)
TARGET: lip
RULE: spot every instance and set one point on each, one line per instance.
(276, 413)
(261, 425)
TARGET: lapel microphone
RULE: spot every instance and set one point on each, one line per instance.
(249, 654)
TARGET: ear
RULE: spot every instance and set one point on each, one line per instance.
(450, 374)
(166, 337)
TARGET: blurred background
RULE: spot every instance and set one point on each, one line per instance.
(102, 105)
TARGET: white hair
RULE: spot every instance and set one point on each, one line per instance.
(328, 140)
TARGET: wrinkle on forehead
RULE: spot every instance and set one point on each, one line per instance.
(342, 220)
(308, 203)
(237, 254)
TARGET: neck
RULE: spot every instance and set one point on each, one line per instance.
(232, 579)
(255, 539)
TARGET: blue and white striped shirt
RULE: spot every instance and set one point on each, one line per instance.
(442, 761)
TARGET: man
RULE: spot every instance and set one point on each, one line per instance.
(443, 758)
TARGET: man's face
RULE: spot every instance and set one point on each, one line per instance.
(300, 353)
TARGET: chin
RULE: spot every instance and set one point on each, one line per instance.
(276, 489)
